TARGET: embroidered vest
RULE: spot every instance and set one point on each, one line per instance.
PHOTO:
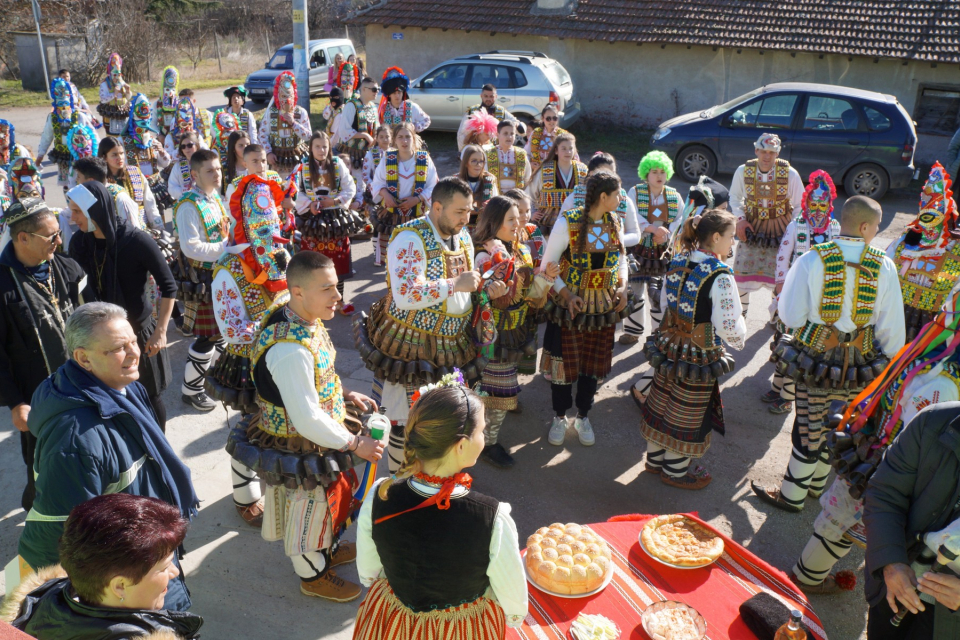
(602, 237)
(61, 152)
(672, 198)
(806, 239)
(684, 284)
(277, 125)
(482, 192)
(392, 117)
(774, 192)
(514, 315)
(137, 156)
(580, 198)
(551, 194)
(274, 418)
(213, 218)
(835, 283)
(538, 149)
(135, 183)
(941, 271)
(307, 182)
(254, 297)
(365, 119)
(516, 171)
(392, 158)
(498, 112)
(433, 320)
(535, 242)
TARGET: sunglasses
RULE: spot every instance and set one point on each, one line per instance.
(187, 145)
(551, 118)
(51, 238)
(373, 88)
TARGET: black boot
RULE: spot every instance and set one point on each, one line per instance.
(497, 456)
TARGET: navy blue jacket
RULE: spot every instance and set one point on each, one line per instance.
(87, 446)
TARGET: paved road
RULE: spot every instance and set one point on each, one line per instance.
(245, 588)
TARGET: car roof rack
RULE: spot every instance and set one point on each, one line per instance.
(512, 57)
(518, 52)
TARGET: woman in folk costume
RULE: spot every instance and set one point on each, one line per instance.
(165, 110)
(224, 123)
(543, 138)
(927, 255)
(395, 104)
(589, 298)
(702, 312)
(815, 225)
(143, 149)
(363, 201)
(82, 142)
(554, 179)
(842, 306)
(472, 171)
(59, 122)
(403, 182)
(285, 129)
(348, 78)
(234, 165)
(602, 161)
(131, 179)
(115, 97)
(324, 217)
(440, 560)
(180, 180)
(481, 130)
(500, 248)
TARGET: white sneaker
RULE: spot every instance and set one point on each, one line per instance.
(584, 431)
(558, 431)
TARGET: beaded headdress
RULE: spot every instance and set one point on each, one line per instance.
(255, 208)
(171, 82)
(141, 121)
(82, 141)
(816, 204)
(285, 91)
(63, 107)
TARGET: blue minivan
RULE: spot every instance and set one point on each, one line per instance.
(259, 84)
(864, 140)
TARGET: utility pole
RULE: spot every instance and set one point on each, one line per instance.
(301, 52)
(43, 53)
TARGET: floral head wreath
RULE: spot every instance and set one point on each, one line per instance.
(454, 379)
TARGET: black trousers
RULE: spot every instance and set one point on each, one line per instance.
(28, 447)
(913, 627)
(562, 395)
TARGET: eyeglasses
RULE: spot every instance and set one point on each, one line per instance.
(187, 145)
(51, 238)
(477, 163)
(373, 87)
(551, 119)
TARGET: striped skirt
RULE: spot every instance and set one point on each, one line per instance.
(199, 318)
(500, 385)
(382, 617)
(570, 353)
(337, 250)
(680, 415)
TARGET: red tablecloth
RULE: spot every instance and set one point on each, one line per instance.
(716, 591)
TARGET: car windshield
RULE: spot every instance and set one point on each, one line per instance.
(282, 59)
(720, 108)
(556, 74)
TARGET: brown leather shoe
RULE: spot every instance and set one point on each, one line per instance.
(330, 587)
(252, 514)
(771, 495)
(828, 587)
(346, 553)
(628, 339)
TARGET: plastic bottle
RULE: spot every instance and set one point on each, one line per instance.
(791, 630)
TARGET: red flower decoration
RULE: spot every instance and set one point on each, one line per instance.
(846, 579)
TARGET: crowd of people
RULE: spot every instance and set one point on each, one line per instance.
(264, 214)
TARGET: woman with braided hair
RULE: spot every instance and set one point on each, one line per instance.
(426, 541)
(702, 311)
(555, 179)
(588, 300)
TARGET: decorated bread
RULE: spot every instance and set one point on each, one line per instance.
(678, 540)
(568, 559)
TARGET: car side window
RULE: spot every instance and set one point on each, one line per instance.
(876, 121)
(826, 113)
(318, 59)
(519, 80)
(495, 74)
(450, 76)
(774, 112)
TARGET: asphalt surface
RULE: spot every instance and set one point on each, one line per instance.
(244, 587)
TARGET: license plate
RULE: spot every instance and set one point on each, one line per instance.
(258, 92)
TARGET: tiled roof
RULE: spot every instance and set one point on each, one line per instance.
(927, 30)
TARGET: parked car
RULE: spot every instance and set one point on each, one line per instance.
(863, 139)
(322, 52)
(525, 80)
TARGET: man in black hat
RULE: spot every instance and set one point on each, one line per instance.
(39, 289)
(236, 99)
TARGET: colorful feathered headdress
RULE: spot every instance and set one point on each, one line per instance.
(937, 218)
(482, 122)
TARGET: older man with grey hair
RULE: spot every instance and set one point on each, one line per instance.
(97, 434)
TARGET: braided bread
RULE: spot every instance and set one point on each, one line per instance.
(568, 559)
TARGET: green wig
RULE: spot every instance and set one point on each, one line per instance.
(655, 160)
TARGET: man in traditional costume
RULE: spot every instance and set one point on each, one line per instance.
(420, 330)
(82, 142)
(201, 220)
(224, 123)
(927, 372)
(395, 103)
(488, 102)
(39, 287)
(187, 120)
(63, 116)
(236, 99)
(815, 225)
(247, 279)
(144, 150)
(165, 110)
(285, 129)
(304, 441)
(115, 96)
(765, 196)
(86, 116)
(356, 125)
(841, 305)
(927, 255)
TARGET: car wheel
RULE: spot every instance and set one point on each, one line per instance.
(867, 180)
(696, 161)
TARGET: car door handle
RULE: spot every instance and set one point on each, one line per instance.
(504, 99)
(452, 98)
(854, 142)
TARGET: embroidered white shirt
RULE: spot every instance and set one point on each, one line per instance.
(558, 242)
(407, 180)
(190, 229)
(348, 189)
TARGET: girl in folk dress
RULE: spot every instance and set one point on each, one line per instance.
(133, 180)
(544, 137)
(326, 190)
(440, 560)
(364, 198)
(180, 181)
(484, 187)
(555, 179)
(702, 311)
(499, 247)
(233, 165)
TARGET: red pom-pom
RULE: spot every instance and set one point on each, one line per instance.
(846, 579)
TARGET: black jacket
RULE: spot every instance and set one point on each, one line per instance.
(915, 490)
(51, 611)
(22, 365)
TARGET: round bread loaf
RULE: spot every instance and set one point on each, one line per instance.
(567, 558)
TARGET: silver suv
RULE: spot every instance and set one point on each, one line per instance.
(525, 80)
